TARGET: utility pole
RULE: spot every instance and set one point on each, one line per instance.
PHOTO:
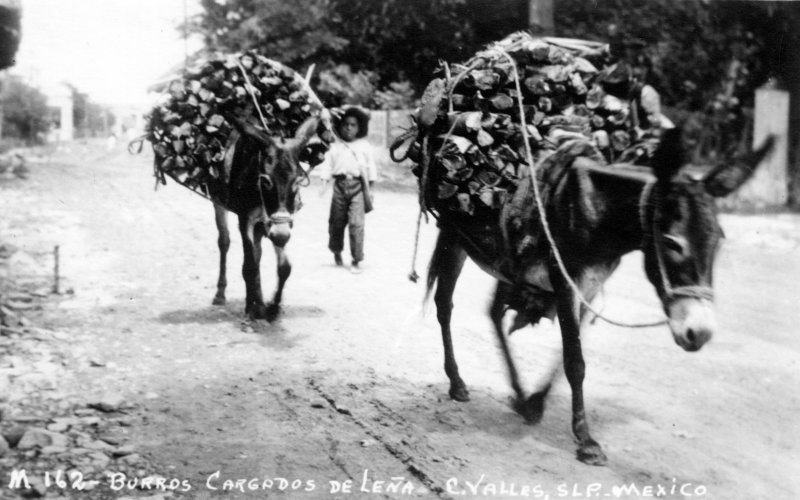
(540, 17)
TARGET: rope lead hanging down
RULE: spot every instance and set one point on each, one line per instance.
(413, 276)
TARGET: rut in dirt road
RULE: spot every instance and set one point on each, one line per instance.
(402, 450)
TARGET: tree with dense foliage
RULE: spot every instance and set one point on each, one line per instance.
(706, 57)
(25, 112)
(398, 40)
(702, 56)
(340, 85)
(403, 39)
(294, 32)
(689, 47)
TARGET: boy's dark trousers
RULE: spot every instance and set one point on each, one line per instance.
(347, 209)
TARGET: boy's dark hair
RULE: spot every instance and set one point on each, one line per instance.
(361, 116)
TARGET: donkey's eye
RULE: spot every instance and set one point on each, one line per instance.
(677, 244)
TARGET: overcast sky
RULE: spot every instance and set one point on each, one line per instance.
(111, 49)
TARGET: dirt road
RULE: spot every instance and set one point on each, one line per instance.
(348, 384)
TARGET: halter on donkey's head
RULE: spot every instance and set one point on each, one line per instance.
(681, 235)
(668, 160)
(292, 151)
(279, 174)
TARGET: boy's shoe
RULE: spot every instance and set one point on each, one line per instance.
(355, 268)
(337, 257)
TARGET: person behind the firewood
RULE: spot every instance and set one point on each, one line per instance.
(350, 165)
(630, 79)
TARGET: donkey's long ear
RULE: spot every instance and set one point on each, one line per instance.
(306, 131)
(725, 179)
(669, 157)
(248, 129)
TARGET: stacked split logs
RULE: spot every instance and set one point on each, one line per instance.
(557, 89)
(190, 129)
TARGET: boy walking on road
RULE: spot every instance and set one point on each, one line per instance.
(350, 164)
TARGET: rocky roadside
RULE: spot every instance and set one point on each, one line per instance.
(54, 442)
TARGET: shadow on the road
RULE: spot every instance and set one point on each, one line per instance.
(233, 311)
(210, 314)
(295, 311)
(280, 334)
(275, 334)
(487, 413)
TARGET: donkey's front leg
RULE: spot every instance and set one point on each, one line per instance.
(223, 242)
(589, 451)
(496, 313)
(252, 231)
(284, 270)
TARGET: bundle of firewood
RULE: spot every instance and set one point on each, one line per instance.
(473, 115)
(189, 129)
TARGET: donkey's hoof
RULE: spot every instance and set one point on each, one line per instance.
(219, 300)
(256, 311)
(591, 453)
(459, 392)
(271, 311)
(531, 409)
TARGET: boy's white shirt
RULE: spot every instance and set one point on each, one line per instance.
(349, 158)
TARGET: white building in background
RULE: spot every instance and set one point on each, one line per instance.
(60, 97)
(128, 119)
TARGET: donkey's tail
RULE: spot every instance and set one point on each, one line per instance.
(435, 266)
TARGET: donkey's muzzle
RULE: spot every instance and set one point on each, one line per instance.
(280, 228)
(693, 322)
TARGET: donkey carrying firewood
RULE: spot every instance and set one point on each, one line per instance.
(235, 128)
(265, 174)
(595, 213)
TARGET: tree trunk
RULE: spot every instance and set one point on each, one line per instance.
(540, 17)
